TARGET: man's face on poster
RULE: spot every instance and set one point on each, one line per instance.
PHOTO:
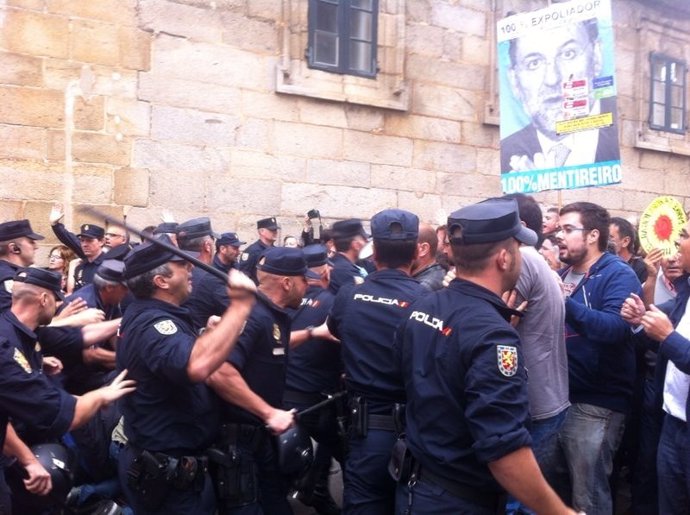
(543, 61)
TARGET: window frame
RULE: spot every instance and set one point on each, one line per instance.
(344, 11)
(656, 59)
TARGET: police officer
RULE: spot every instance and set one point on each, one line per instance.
(209, 293)
(313, 372)
(105, 293)
(40, 410)
(364, 317)
(227, 250)
(17, 250)
(173, 416)
(252, 383)
(349, 238)
(465, 379)
(268, 233)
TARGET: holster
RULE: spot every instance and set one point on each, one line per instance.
(234, 470)
(401, 462)
(359, 417)
(147, 477)
(152, 475)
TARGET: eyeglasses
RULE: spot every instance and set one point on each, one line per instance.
(55, 256)
(114, 235)
(569, 229)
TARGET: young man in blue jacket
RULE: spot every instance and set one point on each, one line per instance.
(601, 355)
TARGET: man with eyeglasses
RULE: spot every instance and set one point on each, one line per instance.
(601, 356)
(540, 63)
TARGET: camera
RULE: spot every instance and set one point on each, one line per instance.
(313, 213)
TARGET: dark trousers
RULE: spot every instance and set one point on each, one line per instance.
(368, 487)
(430, 499)
(175, 502)
(273, 485)
(673, 467)
(645, 498)
(322, 426)
(5, 502)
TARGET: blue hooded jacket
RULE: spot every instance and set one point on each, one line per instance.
(601, 354)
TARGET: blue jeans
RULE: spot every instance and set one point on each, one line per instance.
(645, 500)
(673, 468)
(588, 441)
(545, 447)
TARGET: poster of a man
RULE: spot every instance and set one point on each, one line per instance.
(558, 98)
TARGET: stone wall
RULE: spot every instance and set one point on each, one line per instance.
(137, 106)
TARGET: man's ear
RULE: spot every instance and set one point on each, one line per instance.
(502, 259)
(593, 236)
(160, 281)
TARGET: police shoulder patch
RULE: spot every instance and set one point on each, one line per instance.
(245, 256)
(166, 327)
(8, 285)
(507, 359)
(21, 360)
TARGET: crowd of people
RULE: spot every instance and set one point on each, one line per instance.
(518, 359)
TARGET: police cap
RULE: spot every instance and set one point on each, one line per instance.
(17, 229)
(148, 256)
(41, 277)
(111, 270)
(492, 220)
(285, 261)
(194, 228)
(268, 223)
(92, 231)
(229, 238)
(395, 224)
(350, 228)
(316, 255)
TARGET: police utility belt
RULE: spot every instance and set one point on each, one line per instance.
(404, 468)
(361, 421)
(153, 474)
(233, 468)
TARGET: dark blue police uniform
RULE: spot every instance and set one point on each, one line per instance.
(42, 411)
(344, 273)
(217, 263)
(260, 356)
(313, 370)
(461, 358)
(466, 384)
(209, 297)
(7, 272)
(364, 317)
(84, 271)
(167, 414)
(250, 257)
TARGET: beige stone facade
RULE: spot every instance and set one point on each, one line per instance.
(207, 107)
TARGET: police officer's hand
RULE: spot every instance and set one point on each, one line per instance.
(280, 421)
(85, 317)
(39, 481)
(51, 365)
(56, 213)
(656, 324)
(118, 388)
(322, 332)
(212, 322)
(75, 306)
(633, 310)
(240, 286)
(450, 275)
